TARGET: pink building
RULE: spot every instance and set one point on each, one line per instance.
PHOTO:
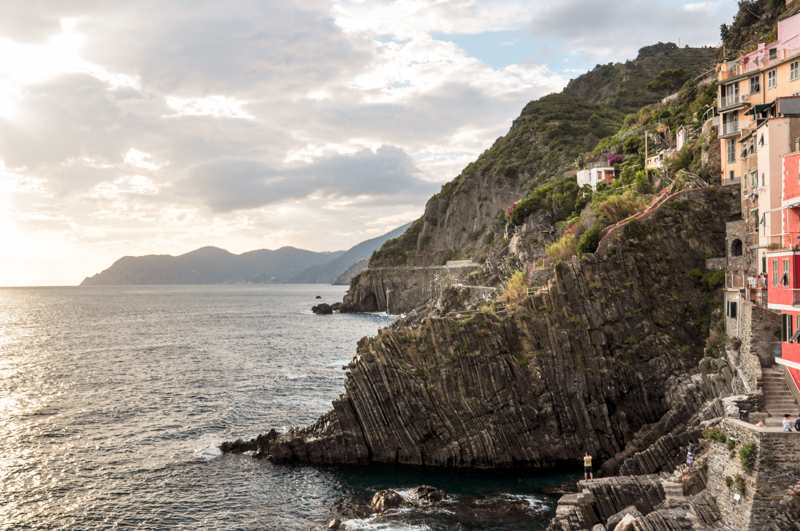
(784, 268)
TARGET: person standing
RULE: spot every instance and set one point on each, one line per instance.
(587, 466)
(690, 454)
(787, 422)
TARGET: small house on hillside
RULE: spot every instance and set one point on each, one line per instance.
(593, 176)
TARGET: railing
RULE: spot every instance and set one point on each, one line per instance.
(757, 282)
(790, 240)
(730, 128)
(726, 181)
(729, 101)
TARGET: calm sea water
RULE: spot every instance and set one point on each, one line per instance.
(112, 402)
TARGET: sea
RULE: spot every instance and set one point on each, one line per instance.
(113, 401)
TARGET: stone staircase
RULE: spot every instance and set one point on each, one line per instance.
(778, 399)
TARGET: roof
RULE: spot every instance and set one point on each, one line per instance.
(790, 14)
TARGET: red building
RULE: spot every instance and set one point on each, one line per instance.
(783, 265)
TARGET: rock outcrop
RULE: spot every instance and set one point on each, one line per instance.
(587, 363)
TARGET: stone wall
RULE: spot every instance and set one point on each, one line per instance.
(756, 331)
(717, 264)
(737, 230)
(410, 287)
(763, 504)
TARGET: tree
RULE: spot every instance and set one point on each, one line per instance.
(668, 81)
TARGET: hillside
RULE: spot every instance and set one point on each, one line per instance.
(211, 265)
(328, 273)
(466, 219)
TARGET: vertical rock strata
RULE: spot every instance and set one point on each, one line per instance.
(583, 364)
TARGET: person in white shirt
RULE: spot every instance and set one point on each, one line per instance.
(787, 422)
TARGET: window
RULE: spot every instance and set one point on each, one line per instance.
(785, 277)
(736, 248)
(731, 310)
(731, 175)
(755, 84)
(755, 218)
(731, 151)
(786, 327)
(761, 140)
(772, 79)
(764, 265)
(774, 272)
(752, 149)
(794, 70)
(773, 53)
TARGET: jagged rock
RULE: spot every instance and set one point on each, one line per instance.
(626, 524)
(318, 297)
(563, 373)
(322, 309)
(334, 524)
(383, 500)
(615, 519)
(427, 494)
(613, 495)
(599, 527)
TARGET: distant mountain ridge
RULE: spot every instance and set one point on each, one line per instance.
(328, 273)
(212, 265)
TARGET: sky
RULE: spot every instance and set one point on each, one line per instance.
(156, 127)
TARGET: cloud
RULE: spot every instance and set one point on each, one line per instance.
(616, 29)
(234, 184)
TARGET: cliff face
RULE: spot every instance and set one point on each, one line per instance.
(584, 364)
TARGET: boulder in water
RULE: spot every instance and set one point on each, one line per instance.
(428, 495)
(322, 309)
(383, 500)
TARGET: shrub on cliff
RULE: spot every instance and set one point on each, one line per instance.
(563, 249)
(590, 240)
(747, 454)
(516, 289)
(618, 207)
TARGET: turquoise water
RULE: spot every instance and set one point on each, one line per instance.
(113, 401)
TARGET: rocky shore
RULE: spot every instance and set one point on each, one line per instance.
(603, 358)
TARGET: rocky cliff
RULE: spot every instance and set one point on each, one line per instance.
(467, 218)
(583, 364)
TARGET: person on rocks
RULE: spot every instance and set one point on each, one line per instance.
(797, 424)
(690, 454)
(759, 423)
(787, 422)
(587, 466)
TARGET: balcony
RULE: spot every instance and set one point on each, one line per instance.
(729, 101)
(789, 240)
(730, 128)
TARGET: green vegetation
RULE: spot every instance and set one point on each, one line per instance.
(728, 481)
(563, 249)
(747, 454)
(590, 240)
(731, 444)
(740, 483)
(715, 435)
(561, 199)
(516, 289)
(770, 462)
(668, 81)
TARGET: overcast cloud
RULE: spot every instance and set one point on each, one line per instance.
(146, 126)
